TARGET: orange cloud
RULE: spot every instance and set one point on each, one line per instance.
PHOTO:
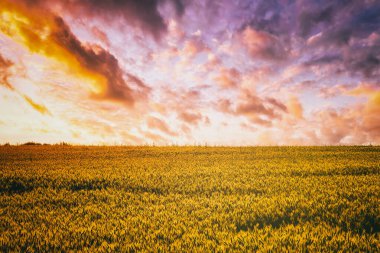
(38, 107)
(228, 78)
(44, 33)
(363, 89)
(5, 64)
(193, 47)
(263, 45)
(335, 126)
(295, 107)
(369, 115)
(359, 124)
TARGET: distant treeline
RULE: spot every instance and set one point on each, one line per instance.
(31, 143)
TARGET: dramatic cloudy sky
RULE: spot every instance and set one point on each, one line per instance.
(258, 72)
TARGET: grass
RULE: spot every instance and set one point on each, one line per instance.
(128, 199)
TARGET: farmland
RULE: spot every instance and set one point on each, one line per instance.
(62, 198)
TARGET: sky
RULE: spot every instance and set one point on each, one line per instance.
(201, 72)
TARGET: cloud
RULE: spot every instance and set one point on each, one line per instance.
(272, 16)
(228, 77)
(5, 64)
(348, 29)
(286, 69)
(324, 59)
(192, 47)
(333, 91)
(144, 15)
(185, 129)
(334, 126)
(263, 45)
(261, 111)
(188, 104)
(363, 89)
(97, 60)
(156, 123)
(49, 35)
(182, 99)
(157, 139)
(339, 20)
(248, 127)
(254, 110)
(309, 18)
(190, 117)
(102, 36)
(364, 61)
(369, 114)
(129, 138)
(357, 124)
(36, 106)
(357, 59)
(225, 106)
(295, 107)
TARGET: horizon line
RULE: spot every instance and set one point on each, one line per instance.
(31, 143)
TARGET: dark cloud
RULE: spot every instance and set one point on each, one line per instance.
(361, 58)
(324, 59)
(367, 19)
(100, 61)
(179, 6)
(143, 14)
(311, 18)
(364, 61)
(333, 31)
(344, 35)
(272, 16)
(346, 20)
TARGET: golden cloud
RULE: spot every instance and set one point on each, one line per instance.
(44, 33)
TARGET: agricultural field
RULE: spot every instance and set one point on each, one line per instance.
(189, 199)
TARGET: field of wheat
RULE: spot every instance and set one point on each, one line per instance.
(175, 199)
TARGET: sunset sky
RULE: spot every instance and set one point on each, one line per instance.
(224, 72)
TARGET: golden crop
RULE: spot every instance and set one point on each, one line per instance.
(197, 199)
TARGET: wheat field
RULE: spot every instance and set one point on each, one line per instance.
(189, 199)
